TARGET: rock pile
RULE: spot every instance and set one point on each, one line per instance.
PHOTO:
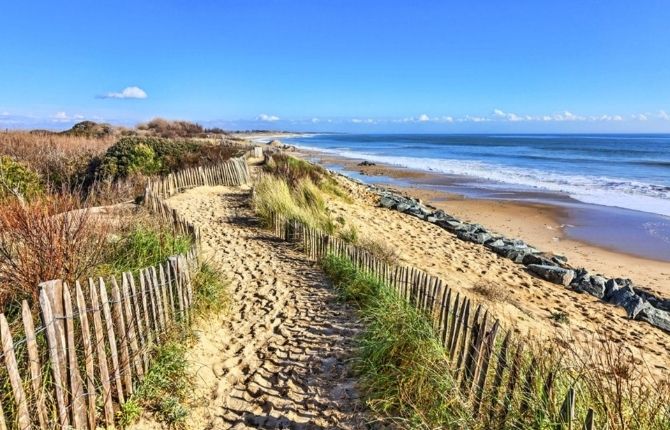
(639, 304)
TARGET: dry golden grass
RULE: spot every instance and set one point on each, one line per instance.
(61, 160)
(493, 291)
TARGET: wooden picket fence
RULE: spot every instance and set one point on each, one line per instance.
(94, 343)
(503, 384)
(92, 347)
(231, 172)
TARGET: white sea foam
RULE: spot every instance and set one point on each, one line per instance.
(598, 190)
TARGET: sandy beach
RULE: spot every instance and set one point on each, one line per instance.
(542, 225)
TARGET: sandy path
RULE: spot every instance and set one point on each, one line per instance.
(530, 302)
(278, 357)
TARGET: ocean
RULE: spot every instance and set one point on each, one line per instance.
(630, 174)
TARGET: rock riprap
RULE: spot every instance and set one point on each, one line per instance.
(639, 304)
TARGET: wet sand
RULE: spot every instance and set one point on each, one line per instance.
(514, 214)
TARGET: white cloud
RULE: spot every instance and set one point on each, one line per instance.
(508, 116)
(64, 117)
(363, 121)
(315, 120)
(127, 93)
(267, 118)
(423, 118)
(470, 118)
(640, 117)
(663, 115)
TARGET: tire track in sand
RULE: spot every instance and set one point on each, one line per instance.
(278, 357)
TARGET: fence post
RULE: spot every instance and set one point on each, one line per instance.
(130, 326)
(139, 321)
(511, 384)
(483, 372)
(88, 355)
(23, 417)
(497, 381)
(76, 390)
(54, 345)
(589, 421)
(567, 414)
(34, 364)
(102, 355)
(111, 337)
(3, 423)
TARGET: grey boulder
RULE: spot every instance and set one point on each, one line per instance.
(593, 285)
(627, 299)
(656, 317)
(557, 275)
(388, 202)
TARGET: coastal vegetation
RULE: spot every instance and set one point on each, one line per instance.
(296, 190)
(50, 181)
(400, 362)
(410, 378)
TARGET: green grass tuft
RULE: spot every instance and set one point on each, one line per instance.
(141, 247)
(164, 389)
(400, 361)
(210, 289)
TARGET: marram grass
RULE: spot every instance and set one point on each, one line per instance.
(400, 362)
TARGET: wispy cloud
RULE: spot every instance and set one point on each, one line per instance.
(363, 121)
(64, 117)
(267, 118)
(127, 93)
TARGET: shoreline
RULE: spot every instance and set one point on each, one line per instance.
(527, 216)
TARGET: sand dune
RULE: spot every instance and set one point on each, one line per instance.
(531, 301)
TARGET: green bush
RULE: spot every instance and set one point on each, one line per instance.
(18, 179)
(143, 247)
(155, 155)
(89, 129)
(128, 156)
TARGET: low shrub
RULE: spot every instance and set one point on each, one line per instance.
(144, 244)
(380, 249)
(164, 390)
(170, 129)
(49, 238)
(18, 180)
(90, 129)
(210, 290)
(493, 291)
(154, 155)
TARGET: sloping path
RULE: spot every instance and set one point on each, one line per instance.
(278, 359)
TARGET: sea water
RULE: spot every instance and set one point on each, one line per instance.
(621, 178)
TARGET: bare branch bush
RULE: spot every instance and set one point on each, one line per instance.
(49, 238)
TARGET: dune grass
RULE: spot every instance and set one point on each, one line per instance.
(400, 362)
(303, 202)
(406, 374)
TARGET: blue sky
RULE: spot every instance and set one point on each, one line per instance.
(452, 66)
